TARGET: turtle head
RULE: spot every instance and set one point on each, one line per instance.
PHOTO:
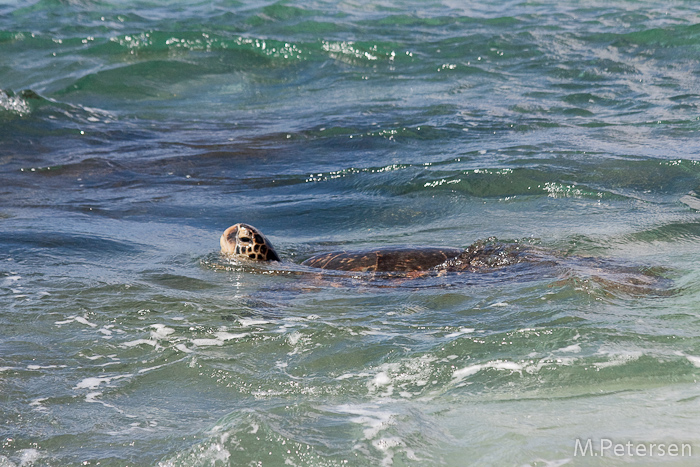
(243, 241)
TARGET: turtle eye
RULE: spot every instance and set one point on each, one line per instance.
(245, 239)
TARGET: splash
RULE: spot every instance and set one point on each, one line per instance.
(13, 104)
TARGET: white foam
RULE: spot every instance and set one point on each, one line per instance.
(387, 446)
(374, 421)
(91, 383)
(94, 383)
(694, 360)
(460, 332)
(14, 104)
(575, 348)
(384, 444)
(690, 201)
(245, 322)
(404, 376)
(146, 370)
(467, 371)
(136, 342)
(84, 321)
(377, 332)
(207, 342)
(220, 339)
(352, 375)
(38, 406)
(92, 398)
(161, 331)
(29, 456)
(382, 381)
(102, 365)
(182, 348)
(496, 365)
(213, 454)
(618, 359)
(499, 365)
(45, 367)
(293, 340)
(79, 319)
(226, 336)
(132, 429)
(371, 417)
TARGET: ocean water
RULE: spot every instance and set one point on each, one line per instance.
(132, 133)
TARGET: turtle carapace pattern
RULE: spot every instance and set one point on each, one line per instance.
(245, 242)
(395, 259)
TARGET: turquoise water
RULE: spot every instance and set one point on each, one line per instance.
(133, 133)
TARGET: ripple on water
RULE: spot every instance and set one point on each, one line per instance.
(133, 135)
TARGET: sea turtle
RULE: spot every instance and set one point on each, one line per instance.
(243, 241)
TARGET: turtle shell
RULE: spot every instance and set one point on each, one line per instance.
(384, 259)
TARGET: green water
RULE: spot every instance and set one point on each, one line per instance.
(133, 133)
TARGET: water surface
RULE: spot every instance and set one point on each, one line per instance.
(132, 133)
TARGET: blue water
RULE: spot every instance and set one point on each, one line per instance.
(132, 133)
